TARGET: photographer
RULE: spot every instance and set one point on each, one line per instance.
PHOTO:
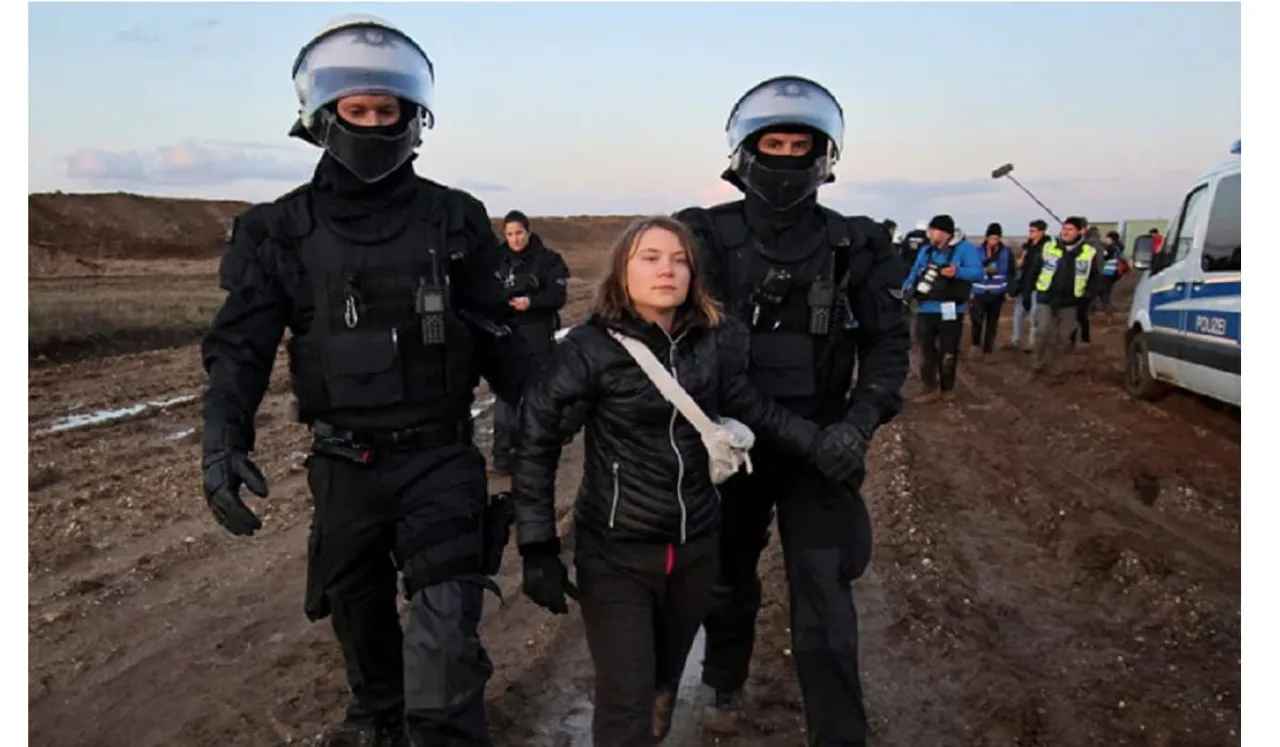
(536, 280)
(940, 280)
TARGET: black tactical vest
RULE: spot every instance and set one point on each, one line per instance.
(794, 304)
(384, 348)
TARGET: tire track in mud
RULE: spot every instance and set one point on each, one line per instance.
(1057, 611)
(1112, 462)
(165, 630)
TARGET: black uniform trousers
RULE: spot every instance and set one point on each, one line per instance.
(505, 429)
(939, 349)
(826, 544)
(368, 521)
(642, 605)
(985, 309)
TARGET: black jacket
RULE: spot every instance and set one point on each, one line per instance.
(645, 476)
(268, 293)
(1033, 252)
(541, 275)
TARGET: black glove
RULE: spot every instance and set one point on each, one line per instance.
(546, 580)
(225, 470)
(840, 453)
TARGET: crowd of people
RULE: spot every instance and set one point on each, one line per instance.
(1055, 283)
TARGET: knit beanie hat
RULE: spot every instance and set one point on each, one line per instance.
(995, 230)
(943, 223)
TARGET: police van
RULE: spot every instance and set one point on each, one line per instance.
(1184, 322)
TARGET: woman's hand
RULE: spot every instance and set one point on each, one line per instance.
(546, 580)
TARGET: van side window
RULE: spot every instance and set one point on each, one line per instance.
(1222, 239)
(1194, 212)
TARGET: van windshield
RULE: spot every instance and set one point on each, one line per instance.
(1222, 236)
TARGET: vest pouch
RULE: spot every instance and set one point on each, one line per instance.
(782, 364)
(306, 373)
(362, 369)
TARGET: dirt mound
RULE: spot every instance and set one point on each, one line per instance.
(89, 234)
(128, 226)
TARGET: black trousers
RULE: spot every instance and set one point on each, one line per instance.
(985, 320)
(1106, 284)
(642, 605)
(433, 674)
(505, 430)
(826, 544)
(1084, 312)
(939, 349)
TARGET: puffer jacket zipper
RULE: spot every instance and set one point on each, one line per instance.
(671, 434)
(613, 508)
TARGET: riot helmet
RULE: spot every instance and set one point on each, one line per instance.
(363, 55)
(785, 104)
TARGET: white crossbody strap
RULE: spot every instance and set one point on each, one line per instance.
(668, 386)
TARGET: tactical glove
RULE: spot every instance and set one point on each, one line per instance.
(225, 470)
(546, 580)
(840, 453)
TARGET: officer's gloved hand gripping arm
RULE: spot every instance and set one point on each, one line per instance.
(238, 354)
(884, 347)
(567, 383)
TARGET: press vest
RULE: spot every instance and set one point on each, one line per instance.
(1053, 255)
(998, 283)
(365, 360)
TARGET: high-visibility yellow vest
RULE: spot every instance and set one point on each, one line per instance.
(1053, 255)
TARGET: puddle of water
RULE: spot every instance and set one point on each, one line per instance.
(574, 727)
(74, 420)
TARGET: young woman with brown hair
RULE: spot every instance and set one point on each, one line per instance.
(647, 515)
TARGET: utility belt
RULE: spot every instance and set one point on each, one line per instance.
(362, 447)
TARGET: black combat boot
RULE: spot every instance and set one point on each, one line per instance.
(386, 733)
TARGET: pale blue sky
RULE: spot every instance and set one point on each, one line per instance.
(1106, 109)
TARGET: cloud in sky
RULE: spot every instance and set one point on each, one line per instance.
(191, 163)
(472, 185)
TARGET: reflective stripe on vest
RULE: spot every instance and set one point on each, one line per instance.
(1052, 255)
(997, 283)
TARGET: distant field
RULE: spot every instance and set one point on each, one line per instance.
(71, 318)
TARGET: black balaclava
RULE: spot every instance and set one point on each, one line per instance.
(360, 210)
(770, 181)
(794, 232)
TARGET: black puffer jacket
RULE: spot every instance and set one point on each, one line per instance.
(646, 475)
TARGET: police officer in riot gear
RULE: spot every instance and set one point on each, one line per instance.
(820, 292)
(386, 281)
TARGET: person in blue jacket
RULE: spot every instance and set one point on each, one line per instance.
(989, 292)
(941, 279)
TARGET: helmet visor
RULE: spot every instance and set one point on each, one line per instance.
(363, 60)
(785, 101)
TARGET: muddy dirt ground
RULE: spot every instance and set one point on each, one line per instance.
(1053, 566)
